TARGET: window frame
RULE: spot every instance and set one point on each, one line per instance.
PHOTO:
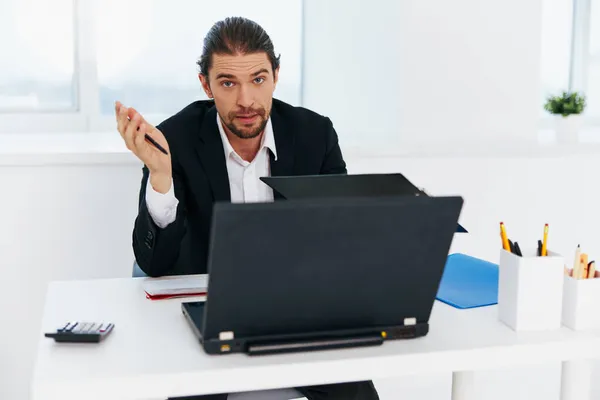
(76, 118)
(580, 51)
(85, 116)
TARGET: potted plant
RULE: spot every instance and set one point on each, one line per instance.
(567, 109)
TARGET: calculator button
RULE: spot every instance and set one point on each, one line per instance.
(90, 327)
(73, 325)
(64, 327)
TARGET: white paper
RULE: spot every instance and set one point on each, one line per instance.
(188, 284)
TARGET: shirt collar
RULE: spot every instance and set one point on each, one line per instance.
(268, 139)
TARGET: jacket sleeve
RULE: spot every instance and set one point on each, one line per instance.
(333, 163)
(156, 249)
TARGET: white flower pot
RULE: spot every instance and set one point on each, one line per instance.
(567, 128)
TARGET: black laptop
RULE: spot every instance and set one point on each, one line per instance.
(313, 274)
(342, 185)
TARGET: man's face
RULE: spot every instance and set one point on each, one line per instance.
(242, 87)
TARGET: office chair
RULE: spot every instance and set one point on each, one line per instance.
(137, 271)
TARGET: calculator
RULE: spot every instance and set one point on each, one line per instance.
(81, 332)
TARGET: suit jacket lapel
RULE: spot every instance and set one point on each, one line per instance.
(284, 141)
(212, 156)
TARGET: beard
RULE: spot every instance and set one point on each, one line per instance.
(247, 131)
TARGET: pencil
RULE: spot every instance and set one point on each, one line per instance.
(545, 242)
(504, 237)
(577, 263)
(584, 267)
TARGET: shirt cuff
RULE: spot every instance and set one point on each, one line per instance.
(162, 207)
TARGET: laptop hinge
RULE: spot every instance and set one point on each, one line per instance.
(315, 344)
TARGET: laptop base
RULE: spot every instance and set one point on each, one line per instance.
(291, 343)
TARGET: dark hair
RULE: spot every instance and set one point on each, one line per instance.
(236, 35)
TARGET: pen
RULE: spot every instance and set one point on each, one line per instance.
(518, 250)
(545, 242)
(155, 143)
(505, 244)
(539, 248)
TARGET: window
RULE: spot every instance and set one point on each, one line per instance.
(593, 84)
(72, 59)
(557, 27)
(571, 51)
(37, 64)
(154, 68)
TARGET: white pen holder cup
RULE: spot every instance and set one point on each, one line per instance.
(530, 290)
(581, 298)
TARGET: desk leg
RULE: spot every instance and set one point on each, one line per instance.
(463, 385)
(576, 380)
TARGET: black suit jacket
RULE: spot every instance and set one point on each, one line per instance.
(306, 142)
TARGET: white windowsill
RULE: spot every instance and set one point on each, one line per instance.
(64, 148)
(108, 148)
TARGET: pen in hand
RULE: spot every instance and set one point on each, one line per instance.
(155, 144)
(152, 141)
(139, 135)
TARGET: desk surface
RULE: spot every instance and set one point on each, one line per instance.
(152, 353)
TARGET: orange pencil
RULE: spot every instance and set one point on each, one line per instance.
(505, 244)
(584, 266)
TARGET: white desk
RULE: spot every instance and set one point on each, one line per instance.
(152, 353)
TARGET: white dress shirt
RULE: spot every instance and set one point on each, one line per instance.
(244, 183)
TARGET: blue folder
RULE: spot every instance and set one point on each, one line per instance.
(468, 282)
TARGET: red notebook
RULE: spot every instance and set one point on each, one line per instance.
(172, 296)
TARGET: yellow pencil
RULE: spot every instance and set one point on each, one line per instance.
(545, 241)
(505, 244)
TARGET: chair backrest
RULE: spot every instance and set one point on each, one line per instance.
(137, 271)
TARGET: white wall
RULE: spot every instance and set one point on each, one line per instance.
(424, 73)
(58, 222)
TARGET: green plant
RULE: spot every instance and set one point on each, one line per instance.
(566, 104)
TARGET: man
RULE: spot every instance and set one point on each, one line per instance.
(217, 150)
